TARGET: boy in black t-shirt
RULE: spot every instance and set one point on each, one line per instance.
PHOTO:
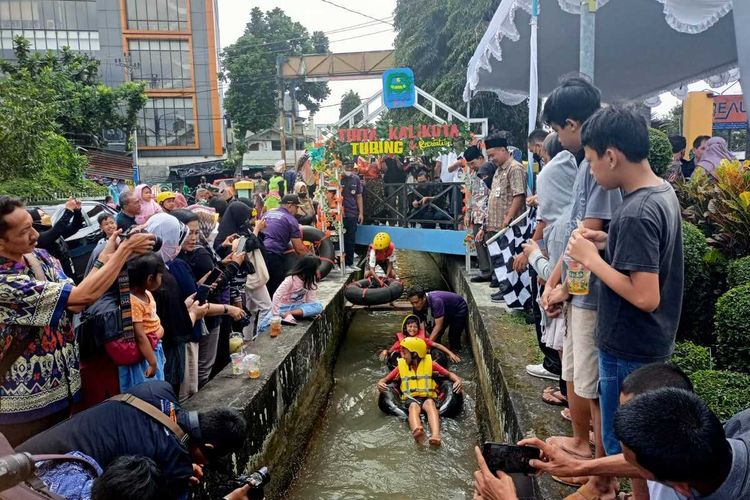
(642, 271)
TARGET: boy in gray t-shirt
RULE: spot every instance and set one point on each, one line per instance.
(642, 276)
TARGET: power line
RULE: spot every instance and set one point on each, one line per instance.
(355, 12)
(360, 36)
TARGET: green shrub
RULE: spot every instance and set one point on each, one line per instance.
(733, 329)
(725, 392)
(690, 357)
(697, 301)
(659, 151)
(738, 272)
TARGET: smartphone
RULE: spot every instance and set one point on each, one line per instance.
(241, 245)
(202, 294)
(509, 458)
(213, 276)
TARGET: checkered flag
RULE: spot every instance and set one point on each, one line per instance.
(501, 251)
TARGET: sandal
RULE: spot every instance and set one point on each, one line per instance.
(575, 482)
(557, 441)
(585, 492)
(553, 396)
(566, 414)
(289, 320)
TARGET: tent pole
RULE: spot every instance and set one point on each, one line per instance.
(587, 38)
(741, 14)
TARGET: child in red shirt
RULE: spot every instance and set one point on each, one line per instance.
(410, 327)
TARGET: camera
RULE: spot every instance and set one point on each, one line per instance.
(15, 469)
(130, 232)
(257, 481)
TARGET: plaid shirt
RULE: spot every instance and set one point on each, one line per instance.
(509, 181)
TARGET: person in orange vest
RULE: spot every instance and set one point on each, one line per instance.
(381, 253)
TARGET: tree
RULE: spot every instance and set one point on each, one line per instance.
(436, 39)
(250, 67)
(349, 102)
(671, 124)
(87, 107)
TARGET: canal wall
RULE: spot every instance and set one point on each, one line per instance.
(503, 344)
(281, 407)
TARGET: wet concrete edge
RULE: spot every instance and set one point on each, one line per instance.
(503, 345)
(282, 406)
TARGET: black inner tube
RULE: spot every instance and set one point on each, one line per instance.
(368, 292)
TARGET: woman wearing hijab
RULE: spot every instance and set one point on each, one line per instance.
(307, 213)
(149, 207)
(716, 150)
(257, 300)
(201, 352)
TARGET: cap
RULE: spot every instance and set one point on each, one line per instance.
(290, 199)
(279, 166)
(472, 153)
(496, 142)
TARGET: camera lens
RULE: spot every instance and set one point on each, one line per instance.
(157, 243)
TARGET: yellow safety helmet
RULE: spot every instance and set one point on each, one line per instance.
(381, 241)
(162, 197)
(415, 345)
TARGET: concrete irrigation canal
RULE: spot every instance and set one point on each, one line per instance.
(313, 414)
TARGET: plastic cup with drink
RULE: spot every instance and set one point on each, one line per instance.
(275, 326)
(251, 364)
(578, 274)
(237, 363)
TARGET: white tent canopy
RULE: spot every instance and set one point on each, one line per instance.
(642, 47)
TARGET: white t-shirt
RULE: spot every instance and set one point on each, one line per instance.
(446, 160)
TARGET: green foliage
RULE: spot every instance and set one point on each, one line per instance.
(725, 392)
(690, 357)
(732, 329)
(57, 169)
(436, 39)
(69, 83)
(671, 124)
(659, 151)
(250, 66)
(721, 206)
(738, 272)
(27, 113)
(349, 102)
(697, 297)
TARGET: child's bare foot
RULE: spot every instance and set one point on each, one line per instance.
(418, 434)
(435, 441)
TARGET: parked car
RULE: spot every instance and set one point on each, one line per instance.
(82, 243)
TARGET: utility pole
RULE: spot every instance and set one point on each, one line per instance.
(282, 118)
(130, 67)
(587, 38)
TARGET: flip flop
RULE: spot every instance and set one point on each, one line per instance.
(566, 415)
(556, 442)
(585, 492)
(289, 320)
(575, 482)
(549, 396)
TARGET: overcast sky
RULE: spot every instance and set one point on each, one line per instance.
(317, 15)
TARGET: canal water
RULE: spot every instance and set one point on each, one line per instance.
(358, 452)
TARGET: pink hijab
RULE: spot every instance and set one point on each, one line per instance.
(148, 208)
(180, 201)
(716, 150)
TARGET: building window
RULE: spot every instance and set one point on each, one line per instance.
(163, 64)
(167, 122)
(157, 15)
(82, 41)
(48, 14)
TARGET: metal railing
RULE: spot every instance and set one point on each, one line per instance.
(397, 205)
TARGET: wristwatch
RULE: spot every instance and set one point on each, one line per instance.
(226, 309)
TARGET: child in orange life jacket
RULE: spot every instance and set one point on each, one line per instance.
(415, 370)
(411, 327)
(380, 254)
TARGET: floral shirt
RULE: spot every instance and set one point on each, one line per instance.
(46, 377)
(477, 198)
